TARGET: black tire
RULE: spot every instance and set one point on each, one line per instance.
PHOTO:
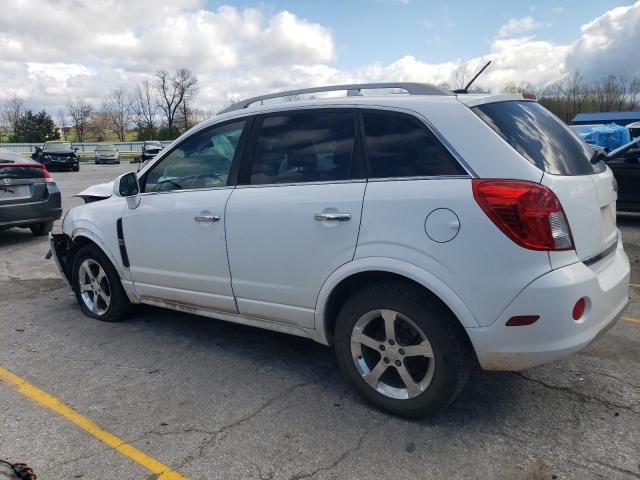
(452, 352)
(76, 168)
(40, 229)
(119, 306)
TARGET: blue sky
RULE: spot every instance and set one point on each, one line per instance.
(368, 31)
(242, 48)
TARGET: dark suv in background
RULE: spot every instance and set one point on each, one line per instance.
(56, 154)
(29, 197)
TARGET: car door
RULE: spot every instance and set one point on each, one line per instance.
(175, 237)
(295, 215)
(627, 174)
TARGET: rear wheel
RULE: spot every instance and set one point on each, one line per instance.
(40, 229)
(401, 349)
(97, 286)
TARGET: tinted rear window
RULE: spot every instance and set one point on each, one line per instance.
(399, 146)
(540, 137)
(303, 147)
(19, 172)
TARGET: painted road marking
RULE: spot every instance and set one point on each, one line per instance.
(631, 319)
(57, 406)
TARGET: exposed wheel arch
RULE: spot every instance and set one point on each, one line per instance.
(335, 291)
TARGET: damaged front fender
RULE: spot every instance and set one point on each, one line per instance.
(60, 249)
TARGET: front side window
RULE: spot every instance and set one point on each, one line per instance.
(398, 145)
(302, 147)
(203, 161)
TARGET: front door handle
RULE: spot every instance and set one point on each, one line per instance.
(206, 218)
(332, 217)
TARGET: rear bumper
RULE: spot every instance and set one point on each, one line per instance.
(25, 214)
(552, 297)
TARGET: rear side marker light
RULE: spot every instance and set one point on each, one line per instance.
(528, 213)
(522, 320)
(579, 308)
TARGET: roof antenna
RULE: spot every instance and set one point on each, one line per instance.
(466, 89)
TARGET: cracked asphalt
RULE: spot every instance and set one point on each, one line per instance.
(216, 400)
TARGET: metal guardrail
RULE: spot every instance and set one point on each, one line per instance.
(88, 147)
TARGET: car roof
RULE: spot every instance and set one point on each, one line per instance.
(8, 156)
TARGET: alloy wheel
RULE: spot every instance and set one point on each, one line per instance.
(94, 287)
(392, 354)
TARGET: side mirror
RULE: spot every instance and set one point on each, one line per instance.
(126, 185)
(75, 149)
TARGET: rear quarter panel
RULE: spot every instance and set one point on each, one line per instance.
(480, 265)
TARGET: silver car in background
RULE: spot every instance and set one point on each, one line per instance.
(107, 153)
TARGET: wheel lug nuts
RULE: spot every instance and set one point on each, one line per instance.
(391, 342)
(386, 360)
(401, 351)
(382, 348)
(398, 363)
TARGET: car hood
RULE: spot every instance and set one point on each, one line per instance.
(96, 192)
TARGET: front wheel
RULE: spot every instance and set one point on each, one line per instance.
(401, 349)
(97, 286)
(76, 168)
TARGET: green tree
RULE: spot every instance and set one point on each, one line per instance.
(32, 128)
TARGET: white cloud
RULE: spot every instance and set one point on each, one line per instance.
(244, 52)
(518, 26)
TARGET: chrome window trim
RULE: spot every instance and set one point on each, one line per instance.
(222, 187)
(420, 177)
(294, 184)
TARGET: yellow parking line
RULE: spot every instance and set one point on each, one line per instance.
(631, 319)
(55, 405)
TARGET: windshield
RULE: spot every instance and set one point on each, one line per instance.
(152, 145)
(57, 146)
(540, 137)
(102, 148)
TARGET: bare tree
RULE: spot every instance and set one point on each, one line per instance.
(12, 111)
(62, 123)
(117, 107)
(80, 111)
(173, 90)
(144, 107)
(461, 76)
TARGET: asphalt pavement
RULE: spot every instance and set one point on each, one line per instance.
(214, 400)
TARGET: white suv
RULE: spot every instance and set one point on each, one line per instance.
(416, 233)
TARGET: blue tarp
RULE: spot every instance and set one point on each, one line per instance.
(610, 136)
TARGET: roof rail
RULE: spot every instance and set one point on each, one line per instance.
(352, 90)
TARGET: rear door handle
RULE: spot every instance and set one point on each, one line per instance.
(332, 217)
(206, 218)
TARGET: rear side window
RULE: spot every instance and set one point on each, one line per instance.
(398, 145)
(540, 137)
(302, 147)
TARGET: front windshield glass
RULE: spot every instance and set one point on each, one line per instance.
(57, 146)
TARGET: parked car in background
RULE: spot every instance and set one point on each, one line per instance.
(418, 234)
(29, 197)
(107, 153)
(625, 163)
(150, 149)
(57, 155)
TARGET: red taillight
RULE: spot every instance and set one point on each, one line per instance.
(526, 212)
(47, 175)
(579, 308)
(529, 96)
